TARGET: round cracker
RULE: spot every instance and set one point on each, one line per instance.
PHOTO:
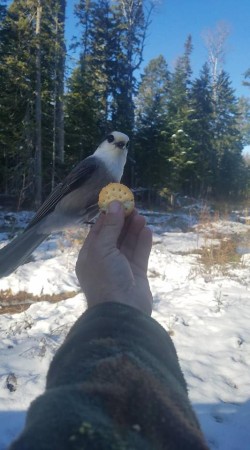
(119, 192)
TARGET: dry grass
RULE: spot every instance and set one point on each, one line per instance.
(15, 303)
(12, 303)
(219, 254)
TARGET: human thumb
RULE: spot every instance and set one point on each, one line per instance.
(111, 226)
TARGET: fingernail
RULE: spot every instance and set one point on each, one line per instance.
(114, 207)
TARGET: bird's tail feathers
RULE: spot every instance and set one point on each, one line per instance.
(18, 250)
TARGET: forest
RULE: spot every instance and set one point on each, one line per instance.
(187, 133)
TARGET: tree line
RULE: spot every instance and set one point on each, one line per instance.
(187, 134)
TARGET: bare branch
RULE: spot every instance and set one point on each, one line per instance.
(215, 41)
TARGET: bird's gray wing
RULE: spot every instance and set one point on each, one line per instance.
(73, 180)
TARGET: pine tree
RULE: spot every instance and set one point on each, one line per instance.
(151, 147)
(178, 120)
(244, 110)
(17, 81)
(131, 23)
(200, 117)
(227, 140)
(59, 74)
(88, 90)
(103, 82)
(96, 53)
(113, 35)
(31, 61)
(52, 74)
(244, 119)
(81, 118)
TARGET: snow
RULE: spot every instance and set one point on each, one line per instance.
(206, 313)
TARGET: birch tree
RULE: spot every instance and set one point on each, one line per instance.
(216, 44)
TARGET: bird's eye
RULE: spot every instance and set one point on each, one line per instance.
(120, 144)
(110, 138)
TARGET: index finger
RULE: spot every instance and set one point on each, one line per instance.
(94, 231)
(143, 249)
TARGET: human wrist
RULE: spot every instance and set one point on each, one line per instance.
(138, 299)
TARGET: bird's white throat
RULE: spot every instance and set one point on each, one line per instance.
(114, 159)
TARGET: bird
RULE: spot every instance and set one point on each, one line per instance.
(73, 202)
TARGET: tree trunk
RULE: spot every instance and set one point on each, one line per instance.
(60, 61)
(38, 108)
(59, 69)
(215, 41)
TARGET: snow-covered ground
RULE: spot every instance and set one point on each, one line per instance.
(206, 312)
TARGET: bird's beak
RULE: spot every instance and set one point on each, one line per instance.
(122, 146)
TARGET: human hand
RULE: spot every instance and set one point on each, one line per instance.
(112, 264)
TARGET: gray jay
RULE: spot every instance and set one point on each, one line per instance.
(72, 202)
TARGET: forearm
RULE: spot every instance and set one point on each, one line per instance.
(114, 382)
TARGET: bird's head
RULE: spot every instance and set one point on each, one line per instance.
(113, 152)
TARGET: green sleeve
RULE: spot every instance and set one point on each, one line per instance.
(115, 384)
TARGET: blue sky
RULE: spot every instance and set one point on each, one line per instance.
(173, 20)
